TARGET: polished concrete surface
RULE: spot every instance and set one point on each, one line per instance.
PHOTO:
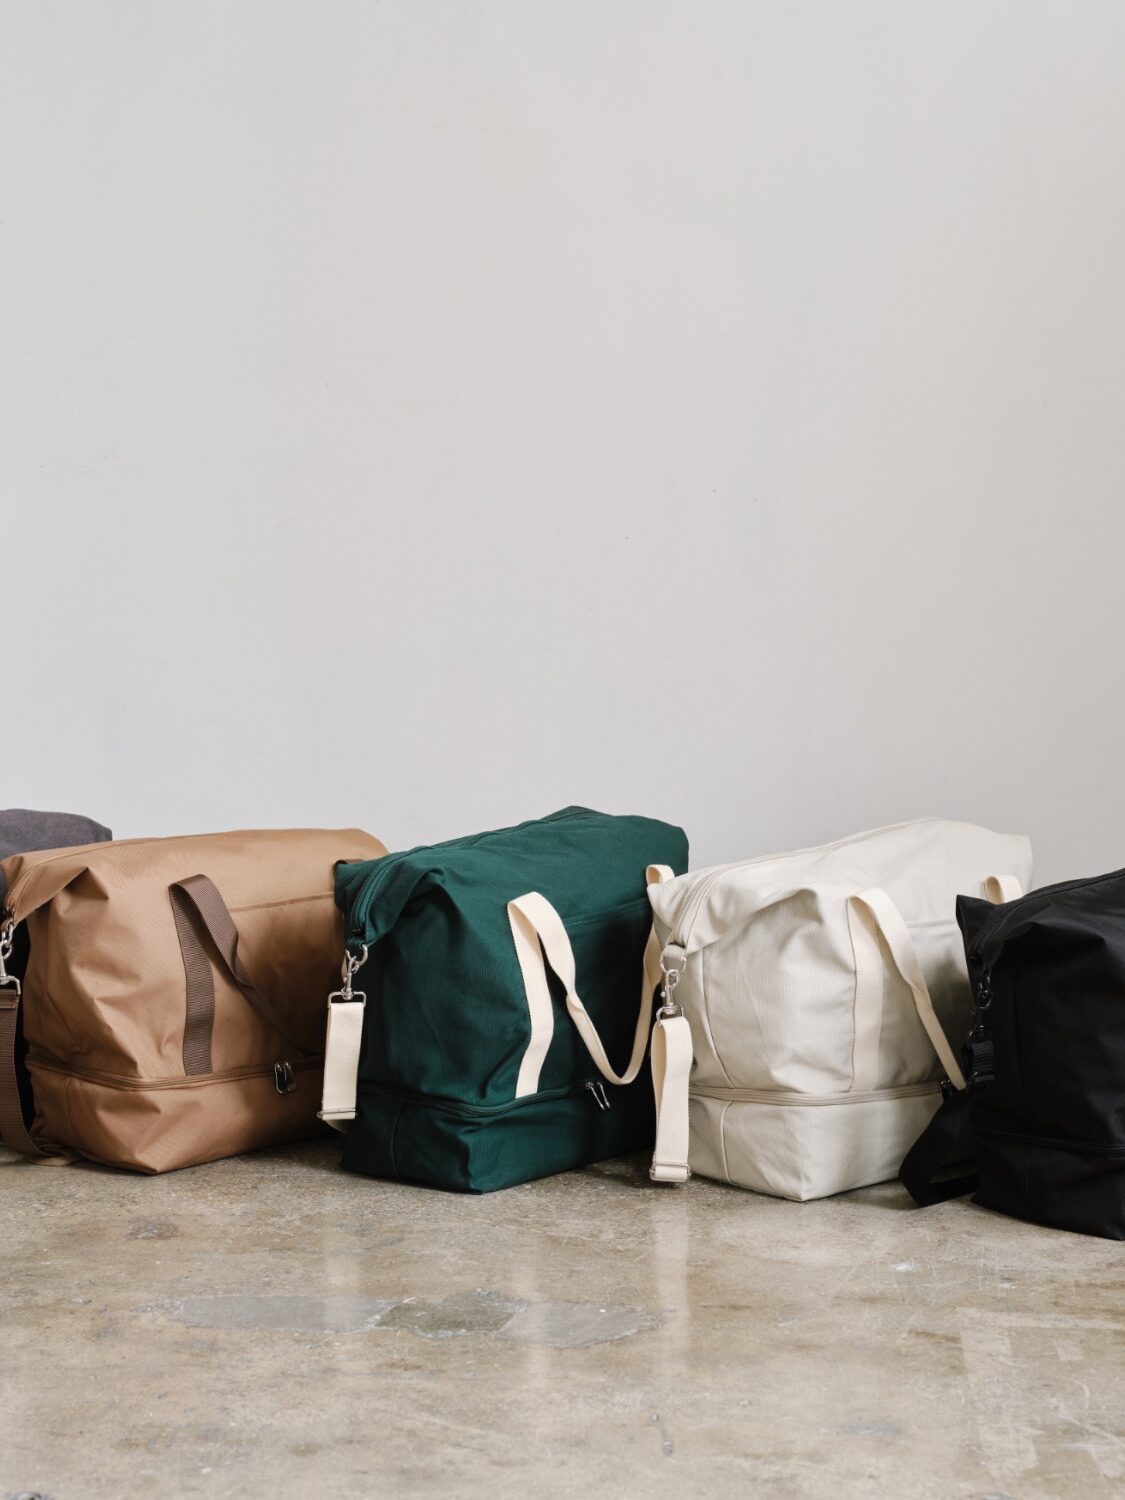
(272, 1327)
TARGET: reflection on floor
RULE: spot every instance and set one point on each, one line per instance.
(271, 1326)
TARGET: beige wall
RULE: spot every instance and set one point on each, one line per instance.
(427, 414)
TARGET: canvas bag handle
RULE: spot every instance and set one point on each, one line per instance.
(534, 922)
(871, 914)
(540, 940)
(198, 895)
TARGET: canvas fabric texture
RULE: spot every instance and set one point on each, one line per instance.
(818, 991)
(490, 971)
(1040, 1125)
(173, 999)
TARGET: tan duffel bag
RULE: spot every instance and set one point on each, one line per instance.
(173, 999)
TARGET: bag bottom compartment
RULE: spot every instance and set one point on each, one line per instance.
(803, 1150)
(448, 1145)
(162, 1126)
(1063, 1185)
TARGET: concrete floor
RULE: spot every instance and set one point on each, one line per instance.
(272, 1327)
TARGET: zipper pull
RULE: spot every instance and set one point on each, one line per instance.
(977, 1053)
(284, 1078)
(982, 992)
(601, 1098)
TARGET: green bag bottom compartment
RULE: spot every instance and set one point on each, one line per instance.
(475, 1149)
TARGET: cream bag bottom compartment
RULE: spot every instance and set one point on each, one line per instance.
(802, 1148)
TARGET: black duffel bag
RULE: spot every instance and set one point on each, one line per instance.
(1043, 1110)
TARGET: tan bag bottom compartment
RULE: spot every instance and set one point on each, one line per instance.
(164, 1125)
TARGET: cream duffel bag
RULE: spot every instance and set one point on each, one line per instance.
(808, 1003)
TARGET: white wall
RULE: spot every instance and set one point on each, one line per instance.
(427, 414)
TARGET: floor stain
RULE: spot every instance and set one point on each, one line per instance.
(453, 1316)
(152, 1230)
(557, 1325)
(292, 1314)
(576, 1325)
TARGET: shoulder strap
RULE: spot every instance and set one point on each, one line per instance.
(13, 1127)
(945, 1142)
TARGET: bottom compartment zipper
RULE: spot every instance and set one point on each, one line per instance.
(794, 1097)
(188, 1081)
(1112, 1150)
(593, 1086)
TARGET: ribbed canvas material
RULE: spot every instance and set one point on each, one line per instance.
(814, 1069)
(447, 1025)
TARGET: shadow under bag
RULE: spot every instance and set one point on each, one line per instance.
(502, 999)
(1043, 1109)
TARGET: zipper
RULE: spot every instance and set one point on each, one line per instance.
(1078, 1148)
(490, 1111)
(694, 902)
(361, 907)
(9, 904)
(791, 1096)
(118, 1081)
(1001, 913)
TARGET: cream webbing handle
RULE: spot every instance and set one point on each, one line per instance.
(872, 913)
(342, 1043)
(1001, 888)
(671, 1075)
(540, 939)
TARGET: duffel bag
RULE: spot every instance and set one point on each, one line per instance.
(493, 1022)
(173, 993)
(1043, 1107)
(22, 830)
(814, 992)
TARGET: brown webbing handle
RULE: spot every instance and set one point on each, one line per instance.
(13, 1128)
(196, 903)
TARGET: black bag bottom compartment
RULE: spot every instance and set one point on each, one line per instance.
(1076, 1186)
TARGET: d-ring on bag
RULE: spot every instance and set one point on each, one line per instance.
(817, 991)
(172, 1003)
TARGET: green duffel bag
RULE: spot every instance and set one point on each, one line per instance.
(458, 1047)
